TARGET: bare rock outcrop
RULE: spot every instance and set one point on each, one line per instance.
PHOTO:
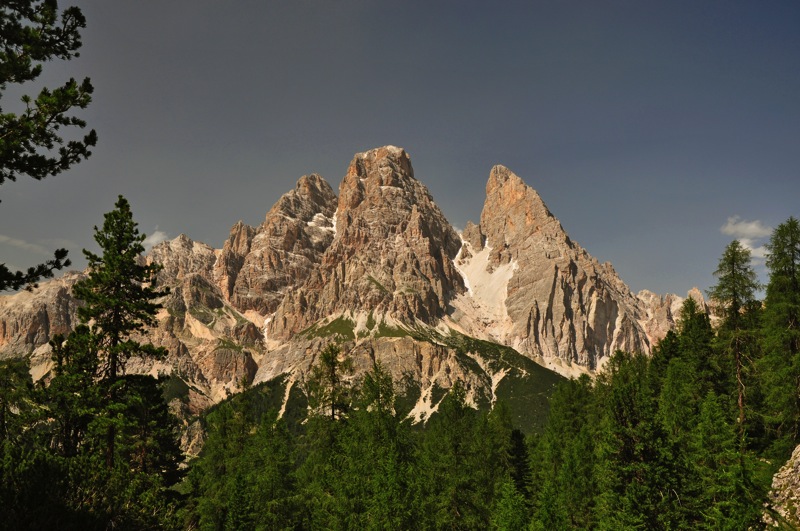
(232, 256)
(784, 497)
(29, 319)
(391, 253)
(548, 298)
(257, 267)
(182, 257)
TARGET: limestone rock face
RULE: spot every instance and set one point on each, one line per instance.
(548, 299)
(232, 256)
(182, 257)
(784, 497)
(29, 319)
(662, 313)
(391, 253)
(257, 267)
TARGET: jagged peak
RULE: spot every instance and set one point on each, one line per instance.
(308, 184)
(312, 194)
(387, 164)
(504, 183)
(513, 211)
(380, 152)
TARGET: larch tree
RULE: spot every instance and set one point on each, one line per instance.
(781, 327)
(734, 295)
(33, 32)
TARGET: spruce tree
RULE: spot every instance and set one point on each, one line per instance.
(114, 430)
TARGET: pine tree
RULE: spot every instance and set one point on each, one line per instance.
(329, 400)
(327, 391)
(118, 302)
(16, 389)
(33, 32)
(637, 479)
(373, 486)
(118, 294)
(696, 338)
(113, 432)
(509, 512)
(451, 491)
(723, 496)
(563, 481)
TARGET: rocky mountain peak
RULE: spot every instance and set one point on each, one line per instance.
(391, 255)
(548, 298)
(257, 266)
(380, 269)
(513, 213)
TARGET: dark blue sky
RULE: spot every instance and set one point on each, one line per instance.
(643, 125)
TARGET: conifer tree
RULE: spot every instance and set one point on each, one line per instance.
(781, 332)
(115, 427)
(637, 481)
(33, 32)
(328, 393)
(118, 294)
(119, 302)
(734, 294)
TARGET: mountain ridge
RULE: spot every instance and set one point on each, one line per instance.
(379, 270)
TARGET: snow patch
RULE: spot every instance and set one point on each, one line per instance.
(321, 221)
(490, 289)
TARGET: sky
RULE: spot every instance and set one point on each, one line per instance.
(657, 132)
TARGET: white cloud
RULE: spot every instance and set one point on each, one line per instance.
(741, 229)
(155, 238)
(749, 234)
(759, 251)
(22, 244)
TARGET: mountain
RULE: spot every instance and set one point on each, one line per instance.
(380, 271)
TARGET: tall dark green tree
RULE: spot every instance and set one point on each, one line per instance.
(696, 339)
(723, 495)
(118, 298)
(33, 32)
(118, 294)
(562, 462)
(734, 296)
(329, 401)
(376, 454)
(16, 389)
(781, 333)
